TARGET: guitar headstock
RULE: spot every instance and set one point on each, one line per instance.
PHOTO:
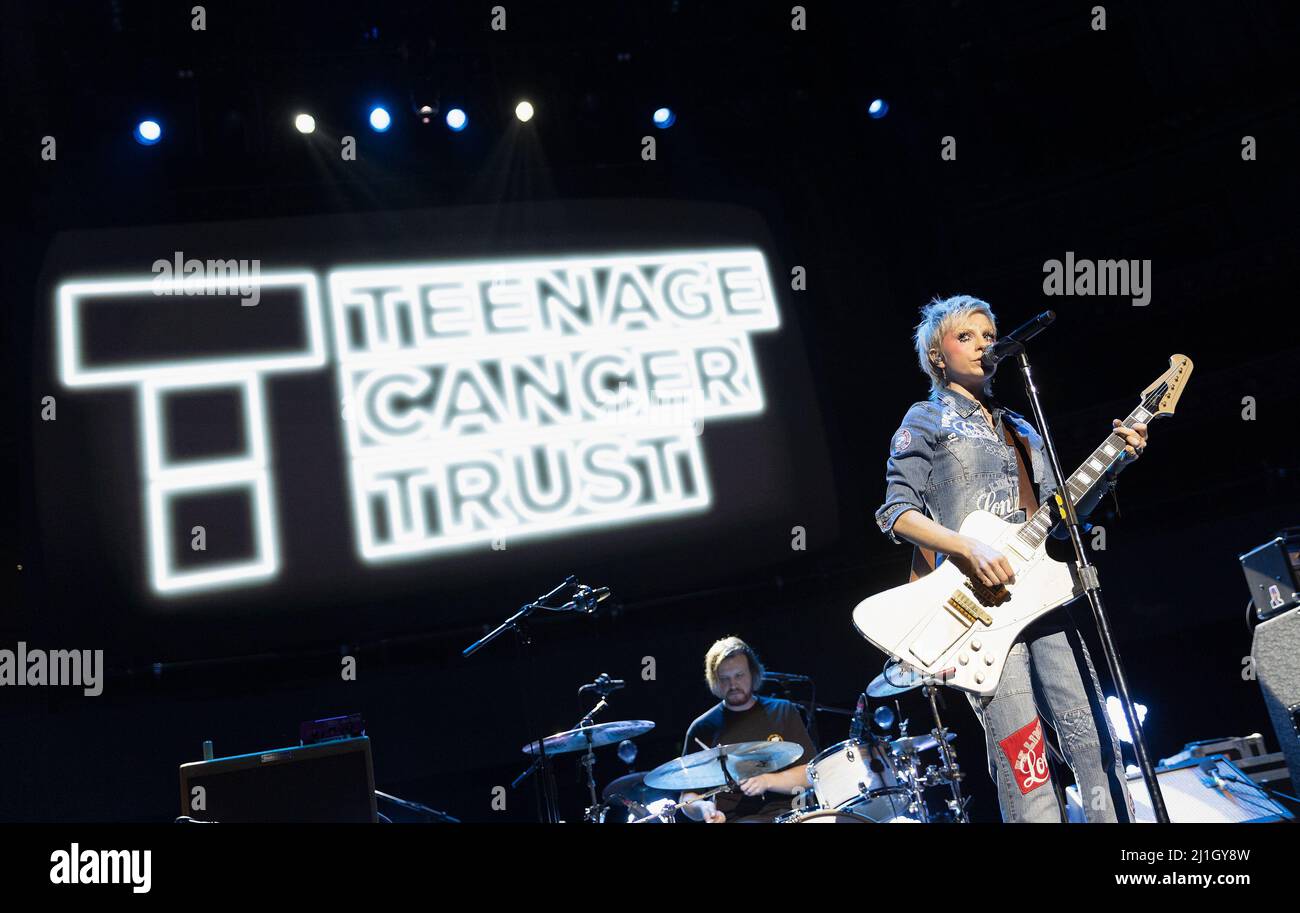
(1162, 396)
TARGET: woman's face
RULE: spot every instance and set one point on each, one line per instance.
(961, 348)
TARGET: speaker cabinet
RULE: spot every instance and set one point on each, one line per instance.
(329, 782)
(1276, 650)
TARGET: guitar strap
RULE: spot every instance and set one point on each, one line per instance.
(923, 558)
(1027, 499)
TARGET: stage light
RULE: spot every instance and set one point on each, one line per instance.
(524, 111)
(148, 132)
(457, 119)
(665, 118)
(380, 119)
(878, 108)
(426, 113)
(1119, 722)
(305, 123)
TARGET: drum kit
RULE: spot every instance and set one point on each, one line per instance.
(866, 779)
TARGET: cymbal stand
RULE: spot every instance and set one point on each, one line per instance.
(949, 772)
(592, 814)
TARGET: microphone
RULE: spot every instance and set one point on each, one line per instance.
(855, 728)
(1015, 340)
(586, 599)
(784, 677)
(603, 684)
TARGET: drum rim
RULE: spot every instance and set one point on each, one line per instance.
(837, 748)
(823, 812)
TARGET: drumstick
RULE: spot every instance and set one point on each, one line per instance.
(701, 798)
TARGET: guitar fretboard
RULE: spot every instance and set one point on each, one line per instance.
(1089, 473)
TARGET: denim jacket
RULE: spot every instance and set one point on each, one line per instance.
(946, 461)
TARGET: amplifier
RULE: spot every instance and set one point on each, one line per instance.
(1272, 571)
(1190, 799)
(329, 782)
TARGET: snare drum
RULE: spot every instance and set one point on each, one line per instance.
(842, 778)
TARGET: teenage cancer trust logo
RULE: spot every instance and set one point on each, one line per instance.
(479, 400)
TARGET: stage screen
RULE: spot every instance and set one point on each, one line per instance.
(278, 432)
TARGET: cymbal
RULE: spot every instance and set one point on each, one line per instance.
(898, 678)
(633, 788)
(917, 743)
(703, 769)
(598, 733)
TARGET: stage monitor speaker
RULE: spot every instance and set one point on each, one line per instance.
(1276, 653)
(329, 782)
(1191, 800)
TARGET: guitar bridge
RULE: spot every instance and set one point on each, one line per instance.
(989, 596)
(969, 608)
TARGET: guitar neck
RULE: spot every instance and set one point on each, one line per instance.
(1082, 480)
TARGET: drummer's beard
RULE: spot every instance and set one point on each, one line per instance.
(736, 698)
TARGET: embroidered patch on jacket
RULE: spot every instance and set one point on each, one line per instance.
(1024, 749)
(902, 441)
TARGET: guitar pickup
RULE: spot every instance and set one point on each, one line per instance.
(969, 608)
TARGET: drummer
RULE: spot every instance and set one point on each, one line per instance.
(734, 674)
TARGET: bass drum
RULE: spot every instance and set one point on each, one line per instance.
(859, 775)
(837, 816)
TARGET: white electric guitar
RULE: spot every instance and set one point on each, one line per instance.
(959, 630)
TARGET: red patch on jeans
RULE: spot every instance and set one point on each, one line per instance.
(1025, 750)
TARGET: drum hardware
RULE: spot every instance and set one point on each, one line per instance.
(589, 735)
(727, 763)
(724, 764)
(848, 816)
(630, 795)
(913, 744)
(584, 599)
(872, 778)
(896, 678)
(668, 811)
(949, 773)
(807, 708)
(599, 734)
(860, 774)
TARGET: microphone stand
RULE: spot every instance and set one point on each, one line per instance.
(441, 817)
(1087, 575)
(548, 809)
(807, 709)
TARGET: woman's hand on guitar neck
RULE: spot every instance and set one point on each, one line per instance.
(982, 563)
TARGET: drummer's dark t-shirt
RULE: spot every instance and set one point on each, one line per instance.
(769, 719)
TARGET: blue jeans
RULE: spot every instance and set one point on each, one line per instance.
(1044, 675)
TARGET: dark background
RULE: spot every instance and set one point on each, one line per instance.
(1124, 143)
